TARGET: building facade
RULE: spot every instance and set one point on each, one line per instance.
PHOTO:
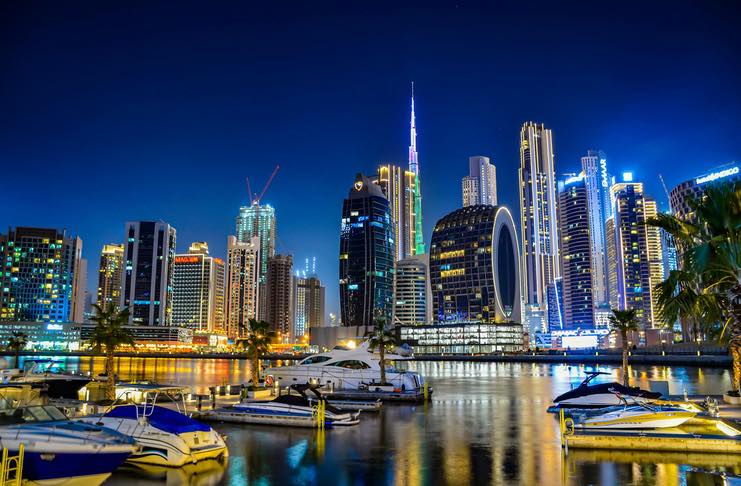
(366, 254)
(242, 284)
(693, 189)
(475, 267)
(308, 302)
(400, 188)
(279, 287)
(110, 274)
(578, 275)
(599, 209)
(40, 275)
(538, 215)
(149, 253)
(412, 297)
(198, 290)
(258, 220)
(480, 185)
(419, 239)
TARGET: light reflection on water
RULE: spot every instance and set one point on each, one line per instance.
(487, 424)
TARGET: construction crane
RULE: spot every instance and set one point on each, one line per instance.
(254, 197)
(666, 191)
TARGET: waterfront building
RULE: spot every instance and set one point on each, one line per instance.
(149, 253)
(62, 336)
(612, 263)
(463, 338)
(556, 306)
(308, 301)
(475, 267)
(198, 290)
(599, 210)
(110, 274)
(79, 291)
(258, 220)
(577, 255)
(151, 338)
(419, 239)
(412, 297)
(694, 188)
(538, 215)
(637, 249)
(480, 185)
(400, 188)
(279, 287)
(242, 283)
(366, 254)
(40, 278)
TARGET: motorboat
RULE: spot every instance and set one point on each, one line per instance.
(60, 383)
(167, 437)
(58, 451)
(639, 416)
(289, 409)
(587, 395)
(344, 368)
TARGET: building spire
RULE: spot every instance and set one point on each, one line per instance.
(413, 160)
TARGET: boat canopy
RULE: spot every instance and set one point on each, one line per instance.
(161, 418)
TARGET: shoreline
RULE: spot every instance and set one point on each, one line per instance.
(709, 360)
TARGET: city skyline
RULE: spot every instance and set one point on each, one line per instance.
(362, 123)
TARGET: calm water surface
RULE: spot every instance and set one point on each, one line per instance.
(487, 424)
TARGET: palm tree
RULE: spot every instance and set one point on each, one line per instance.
(109, 333)
(256, 342)
(622, 322)
(16, 343)
(710, 248)
(380, 337)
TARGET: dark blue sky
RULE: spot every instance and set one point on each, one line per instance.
(116, 111)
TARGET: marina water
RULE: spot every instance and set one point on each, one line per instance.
(487, 424)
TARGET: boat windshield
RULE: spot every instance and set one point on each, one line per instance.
(47, 367)
(42, 414)
(315, 360)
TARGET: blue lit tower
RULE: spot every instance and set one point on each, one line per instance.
(258, 220)
(366, 254)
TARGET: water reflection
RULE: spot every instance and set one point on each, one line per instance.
(487, 424)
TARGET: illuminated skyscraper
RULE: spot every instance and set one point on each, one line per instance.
(576, 256)
(39, 277)
(109, 275)
(308, 302)
(279, 288)
(597, 185)
(538, 214)
(400, 188)
(480, 185)
(258, 220)
(243, 273)
(694, 188)
(412, 298)
(366, 254)
(198, 290)
(149, 253)
(419, 239)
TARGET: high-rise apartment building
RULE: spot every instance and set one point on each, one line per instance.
(655, 256)
(308, 303)
(412, 297)
(149, 253)
(79, 291)
(419, 239)
(242, 284)
(40, 275)
(599, 209)
(279, 286)
(258, 220)
(480, 185)
(578, 274)
(400, 188)
(538, 214)
(366, 254)
(110, 272)
(198, 290)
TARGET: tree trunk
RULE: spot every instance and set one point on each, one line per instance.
(734, 345)
(111, 378)
(17, 358)
(382, 362)
(255, 371)
(624, 336)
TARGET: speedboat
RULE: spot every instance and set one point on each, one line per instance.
(167, 437)
(600, 395)
(346, 369)
(58, 451)
(60, 383)
(638, 416)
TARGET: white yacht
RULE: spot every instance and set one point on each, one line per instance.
(345, 369)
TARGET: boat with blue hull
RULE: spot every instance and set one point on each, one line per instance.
(61, 452)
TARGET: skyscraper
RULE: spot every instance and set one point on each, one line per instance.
(366, 254)
(400, 188)
(655, 256)
(578, 274)
(198, 290)
(308, 302)
(538, 214)
(419, 239)
(480, 185)
(243, 273)
(109, 275)
(279, 286)
(79, 290)
(40, 275)
(412, 298)
(599, 209)
(258, 220)
(149, 253)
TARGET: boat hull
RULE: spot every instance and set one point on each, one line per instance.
(658, 420)
(46, 467)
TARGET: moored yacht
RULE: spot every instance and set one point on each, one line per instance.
(639, 416)
(600, 395)
(59, 382)
(348, 369)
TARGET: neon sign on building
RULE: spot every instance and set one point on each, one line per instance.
(716, 175)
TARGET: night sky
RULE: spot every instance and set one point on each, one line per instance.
(116, 111)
